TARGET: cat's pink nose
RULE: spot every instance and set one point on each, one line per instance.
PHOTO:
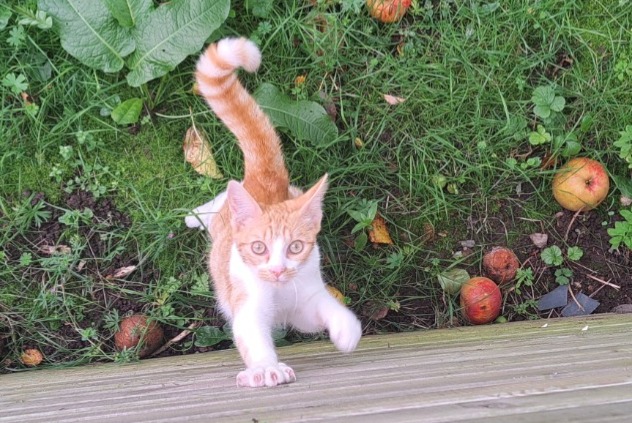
(277, 271)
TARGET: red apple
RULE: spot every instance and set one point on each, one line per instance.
(388, 11)
(480, 300)
(581, 184)
(138, 329)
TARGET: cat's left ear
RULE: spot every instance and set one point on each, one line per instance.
(312, 201)
(243, 207)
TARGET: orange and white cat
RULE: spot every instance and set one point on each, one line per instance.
(264, 260)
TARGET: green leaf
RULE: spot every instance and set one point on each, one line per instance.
(572, 148)
(563, 276)
(39, 19)
(17, 35)
(543, 96)
(128, 12)
(89, 33)
(624, 184)
(452, 280)
(539, 137)
(5, 15)
(543, 111)
(16, 84)
(170, 33)
(361, 241)
(305, 120)
(558, 104)
(574, 253)
(207, 336)
(128, 111)
(260, 8)
(552, 256)
(624, 143)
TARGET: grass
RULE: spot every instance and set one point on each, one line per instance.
(467, 72)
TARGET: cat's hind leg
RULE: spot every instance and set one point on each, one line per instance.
(200, 217)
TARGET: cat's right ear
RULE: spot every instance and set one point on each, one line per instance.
(243, 207)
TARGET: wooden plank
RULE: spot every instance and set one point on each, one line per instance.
(495, 371)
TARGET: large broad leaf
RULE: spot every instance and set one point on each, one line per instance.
(306, 120)
(129, 12)
(90, 33)
(170, 33)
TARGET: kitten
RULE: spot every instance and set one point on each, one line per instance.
(264, 260)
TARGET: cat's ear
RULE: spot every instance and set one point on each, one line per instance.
(312, 201)
(243, 207)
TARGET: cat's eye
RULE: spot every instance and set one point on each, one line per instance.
(296, 247)
(258, 248)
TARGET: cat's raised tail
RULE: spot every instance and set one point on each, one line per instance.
(265, 177)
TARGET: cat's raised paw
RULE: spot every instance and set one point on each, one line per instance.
(257, 377)
(345, 330)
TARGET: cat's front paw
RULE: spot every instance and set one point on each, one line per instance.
(274, 375)
(345, 330)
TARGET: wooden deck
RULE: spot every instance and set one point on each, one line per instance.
(571, 370)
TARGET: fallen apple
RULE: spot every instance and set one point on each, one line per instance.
(31, 357)
(581, 184)
(480, 300)
(137, 329)
(501, 264)
(388, 11)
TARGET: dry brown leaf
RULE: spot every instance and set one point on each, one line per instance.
(374, 311)
(392, 100)
(378, 234)
(197, 151)
(121, 272)
(81, 265)
(300, 80)
(55, 249)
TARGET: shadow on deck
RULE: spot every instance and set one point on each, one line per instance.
(560, 370)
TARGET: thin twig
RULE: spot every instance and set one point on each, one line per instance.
(177, 338)
(575, 299)
(610, 284)
(596, 291)
(571, 224)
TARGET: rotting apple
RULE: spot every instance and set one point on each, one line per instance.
(388, 11)
(480, 300)
(31, 357)
(137, 329)
(501, 264)
(581, 184)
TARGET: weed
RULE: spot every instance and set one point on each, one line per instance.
(547, 102)
(624, 143)
(524, 278)
(528, 309)
(621, 234)
(363, 214)
(563, 275)
(552, 256)
(30, 212)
